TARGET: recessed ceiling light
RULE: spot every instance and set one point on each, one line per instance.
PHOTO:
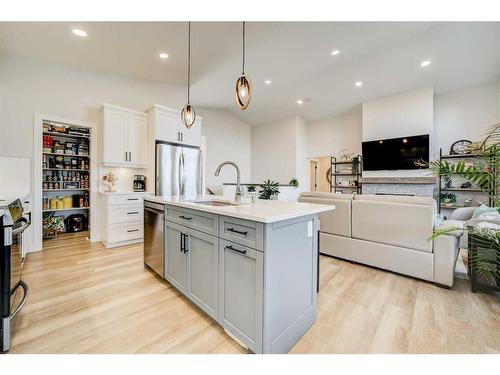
(335, 52)
(80, 32)
(358, 84)
(267, 81)
(300, 101)
(425, 63)
(163, 55)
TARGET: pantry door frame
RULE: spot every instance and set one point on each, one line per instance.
(37, 176)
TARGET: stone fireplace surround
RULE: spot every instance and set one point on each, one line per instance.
(410, 186)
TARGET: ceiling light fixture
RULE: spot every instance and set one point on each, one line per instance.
(335, 52)
(359, 84)
(268, 81)
(300, 101)
(243, 84)
(80, 32)
(188, 114)
(163, 55)
(425, 63)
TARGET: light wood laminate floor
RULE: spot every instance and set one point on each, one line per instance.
(88, 299)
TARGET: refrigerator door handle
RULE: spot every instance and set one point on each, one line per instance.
(183, 175)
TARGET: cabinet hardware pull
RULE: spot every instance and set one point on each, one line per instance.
(130, 156)
(229, 247)
(185, 217)
(132, 213)
(133, 230)
(182, 242)
(182, 137)
(237, 231)
(126, 156)
(132, 199)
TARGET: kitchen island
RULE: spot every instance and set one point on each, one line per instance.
(251, 266)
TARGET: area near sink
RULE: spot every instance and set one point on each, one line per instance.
(251, 267)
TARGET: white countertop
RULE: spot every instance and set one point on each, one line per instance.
(125, 193)
(263, 211)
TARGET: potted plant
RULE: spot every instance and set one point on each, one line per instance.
(294, 182)
(483, 238)
(269, 190)
(356, 160)
(251, 188)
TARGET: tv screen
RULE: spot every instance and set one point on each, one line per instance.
(395, 153)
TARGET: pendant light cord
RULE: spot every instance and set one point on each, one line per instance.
(189, 58)
(243, 47)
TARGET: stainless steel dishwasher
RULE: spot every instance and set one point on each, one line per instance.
(154, 238)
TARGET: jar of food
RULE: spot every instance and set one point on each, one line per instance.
(59, 203)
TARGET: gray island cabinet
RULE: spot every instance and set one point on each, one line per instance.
(256, 279)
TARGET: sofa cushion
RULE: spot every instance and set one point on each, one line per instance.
(400, 221)
(322, 194)
(337, 221)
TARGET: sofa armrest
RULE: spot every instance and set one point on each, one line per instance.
(446, 250)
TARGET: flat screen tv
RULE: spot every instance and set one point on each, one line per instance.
(395, 153)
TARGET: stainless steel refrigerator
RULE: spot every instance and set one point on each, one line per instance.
(179, 170)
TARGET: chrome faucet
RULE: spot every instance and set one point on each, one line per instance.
(239, 193)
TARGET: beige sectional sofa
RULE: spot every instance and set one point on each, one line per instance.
(389, 232)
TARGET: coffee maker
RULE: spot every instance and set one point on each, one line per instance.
(139, 182)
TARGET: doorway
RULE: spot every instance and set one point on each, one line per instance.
(319, 174)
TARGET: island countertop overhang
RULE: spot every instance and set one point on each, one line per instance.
(263, 211)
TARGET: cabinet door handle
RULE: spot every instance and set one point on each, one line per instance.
(130, 156)
(126, 156)
(133, 213)
(229, 247)
(132, 230)
(182, 242)
(185, 217)
(132, 199)
(182, 137)
(237, 231)
(178, 136)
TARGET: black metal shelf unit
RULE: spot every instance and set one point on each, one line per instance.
(441, 188)
(336, 175)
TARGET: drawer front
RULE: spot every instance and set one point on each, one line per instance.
(244, 232)
(130, 199)
(125, 232)
(202, 221)
(125, 214)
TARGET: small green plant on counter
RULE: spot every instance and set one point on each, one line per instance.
(294, 182)
(268, 189)
(251, 188)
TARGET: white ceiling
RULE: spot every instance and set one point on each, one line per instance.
(296, 56)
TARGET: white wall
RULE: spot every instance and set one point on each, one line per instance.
(465, 114)
(274, 151)
(227, 138)
(329, 137)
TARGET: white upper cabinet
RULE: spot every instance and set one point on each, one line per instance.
(125, 137)
(167, 126)
(137, 139)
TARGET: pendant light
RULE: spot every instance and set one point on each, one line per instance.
(188, 115)
(243, 84)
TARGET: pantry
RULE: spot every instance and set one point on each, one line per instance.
(65, 178)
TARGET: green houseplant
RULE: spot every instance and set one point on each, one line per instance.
(485, 175)
(268, 189)
(251, 188)
(294, 182)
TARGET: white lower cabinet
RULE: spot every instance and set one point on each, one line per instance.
(122, 218)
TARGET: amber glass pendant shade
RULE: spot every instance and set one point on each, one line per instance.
(188, 115)
(243, 92)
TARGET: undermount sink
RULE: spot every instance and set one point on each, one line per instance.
(216, 203)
